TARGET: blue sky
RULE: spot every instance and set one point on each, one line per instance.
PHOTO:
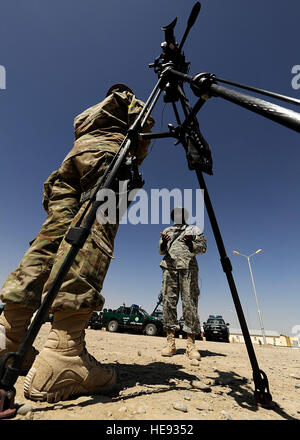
(62, 56)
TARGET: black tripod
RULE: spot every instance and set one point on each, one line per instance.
(172, 69)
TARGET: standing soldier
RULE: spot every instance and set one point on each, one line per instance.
(64, 368)
(180, 243)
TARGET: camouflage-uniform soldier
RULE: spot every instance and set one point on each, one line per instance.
(64, 368)
(180, 243)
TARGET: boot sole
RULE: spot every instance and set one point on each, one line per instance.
(64, 393)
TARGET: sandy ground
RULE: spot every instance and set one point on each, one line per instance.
(153, 387)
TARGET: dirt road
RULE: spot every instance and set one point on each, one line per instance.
(152, 387)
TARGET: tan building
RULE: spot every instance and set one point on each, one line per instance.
(272, 337)
(293, 341)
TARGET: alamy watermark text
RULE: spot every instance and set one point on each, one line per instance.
(2, 78)
(296, 78)
(149, 208)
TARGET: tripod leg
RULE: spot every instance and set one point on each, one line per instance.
(262, 393)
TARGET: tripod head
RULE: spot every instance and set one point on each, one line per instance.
(172, 59)
(172, 70)
(172, 56)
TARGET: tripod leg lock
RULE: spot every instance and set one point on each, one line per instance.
(201, 84)
(77, 236)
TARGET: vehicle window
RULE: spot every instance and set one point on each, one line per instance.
(216, 321)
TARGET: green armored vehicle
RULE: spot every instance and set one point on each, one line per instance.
(128, 318)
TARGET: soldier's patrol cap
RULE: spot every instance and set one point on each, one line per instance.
(118, 88)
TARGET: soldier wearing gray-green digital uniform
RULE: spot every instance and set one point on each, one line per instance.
(64, 368)
(179, 244)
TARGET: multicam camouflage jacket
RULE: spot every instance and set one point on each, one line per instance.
(100, 128)
(99, 131)
(177, 254)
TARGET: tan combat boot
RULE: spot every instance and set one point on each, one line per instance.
(191, 351)
(64, 368)
(170, 348)
(14, 321)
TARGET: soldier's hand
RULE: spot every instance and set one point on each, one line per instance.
(165, 237)
(187, 239)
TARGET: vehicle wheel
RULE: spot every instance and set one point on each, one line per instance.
(112, 326)
(151, 329)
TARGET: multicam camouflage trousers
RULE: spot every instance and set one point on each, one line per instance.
(184, 281)
(83, 283)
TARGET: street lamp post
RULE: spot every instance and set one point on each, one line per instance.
(255, 294)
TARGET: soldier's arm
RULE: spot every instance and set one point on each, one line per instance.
(117, 111)
(195, 240)
(199, 244)
(163, 242)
